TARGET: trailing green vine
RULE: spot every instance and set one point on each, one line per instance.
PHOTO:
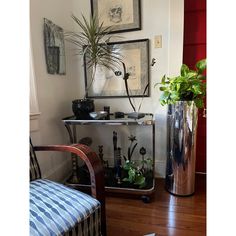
(188, 86)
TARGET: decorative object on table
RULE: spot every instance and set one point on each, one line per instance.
(109, 83)
(92, 44)
(131, 147)
(117, 158)
(118, 165)
(86, 141)
(82, 108)
(119, 114)
(107, 109)
(114, 145)
(135, 114)
(142, 151)
(184, 94)
(100, 154)
(121, 15)
(74, 159)
(54, 48)
(98, 115)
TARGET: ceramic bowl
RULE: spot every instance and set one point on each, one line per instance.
(97, 115)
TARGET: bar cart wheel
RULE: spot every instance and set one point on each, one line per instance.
(146, 199)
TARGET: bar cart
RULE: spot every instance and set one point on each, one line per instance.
(116, 179)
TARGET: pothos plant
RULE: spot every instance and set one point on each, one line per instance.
(137, 175)
(188, 86)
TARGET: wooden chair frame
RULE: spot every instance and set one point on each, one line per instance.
(96, 171)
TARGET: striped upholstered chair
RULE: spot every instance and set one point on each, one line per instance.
(56, 209)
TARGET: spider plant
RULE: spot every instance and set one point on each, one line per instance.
(92, 43)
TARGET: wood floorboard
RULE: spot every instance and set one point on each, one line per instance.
(165, 215)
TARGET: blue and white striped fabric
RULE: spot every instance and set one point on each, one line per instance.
(59, 210)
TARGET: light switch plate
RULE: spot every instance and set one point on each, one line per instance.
(158, 41)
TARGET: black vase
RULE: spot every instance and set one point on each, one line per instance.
(82, 108)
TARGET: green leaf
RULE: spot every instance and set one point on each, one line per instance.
(175, 96)
(199, 102)
(139, 180)
(192, 74)
(164, 97)
(156, 84)
(201, 66)
(184, 70)
(126, 179)
(178, 87)
(201, 77)
(162, 88)
(131, 174)
(163, 79)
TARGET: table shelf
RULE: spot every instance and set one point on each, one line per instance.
(71, 124)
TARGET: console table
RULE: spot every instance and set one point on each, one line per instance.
(72, 125)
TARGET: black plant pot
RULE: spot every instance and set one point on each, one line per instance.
(82, 108)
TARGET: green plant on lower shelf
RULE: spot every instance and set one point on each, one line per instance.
(137, 174)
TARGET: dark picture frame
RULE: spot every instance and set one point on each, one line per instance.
(54, 48)
(121, 15)
(110, 84)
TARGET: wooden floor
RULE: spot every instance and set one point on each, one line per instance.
(165, 215)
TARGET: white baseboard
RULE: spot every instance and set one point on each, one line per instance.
(160, 168)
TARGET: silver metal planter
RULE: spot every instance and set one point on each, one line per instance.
(181, 148)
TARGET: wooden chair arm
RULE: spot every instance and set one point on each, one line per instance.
(95, 167)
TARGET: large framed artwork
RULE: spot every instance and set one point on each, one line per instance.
(110, 83)
(54, 48)
(121, 15)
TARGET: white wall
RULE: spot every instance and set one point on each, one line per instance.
(55, 93)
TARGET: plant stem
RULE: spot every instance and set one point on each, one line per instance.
(126, 77)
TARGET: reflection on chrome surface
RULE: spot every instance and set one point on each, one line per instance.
(181, 148)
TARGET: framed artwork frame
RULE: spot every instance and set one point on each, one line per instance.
(121, 15)
(109, 83)
(54, 48)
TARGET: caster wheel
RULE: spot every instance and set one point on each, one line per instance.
(145, 199)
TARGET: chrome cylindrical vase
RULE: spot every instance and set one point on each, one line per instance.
(181, 148)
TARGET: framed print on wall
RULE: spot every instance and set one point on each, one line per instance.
(54, 48)
(121, 15)
(110, 83)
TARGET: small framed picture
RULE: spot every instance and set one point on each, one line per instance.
(54, 48)
(110, 83)
(121, 15)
